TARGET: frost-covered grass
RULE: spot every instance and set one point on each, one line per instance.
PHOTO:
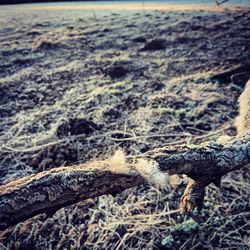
(58, 67)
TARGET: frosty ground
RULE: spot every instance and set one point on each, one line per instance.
(75, 87)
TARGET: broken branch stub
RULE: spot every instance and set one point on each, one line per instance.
(203, 164)
(51, 190)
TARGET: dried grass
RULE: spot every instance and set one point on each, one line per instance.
(187, 109)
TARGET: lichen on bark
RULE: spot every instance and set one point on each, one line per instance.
(50, 190)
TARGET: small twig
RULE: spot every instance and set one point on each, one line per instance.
(220, 3)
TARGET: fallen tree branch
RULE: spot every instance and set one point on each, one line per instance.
(231, 73)
(51, 190)
(220, 2)
(203, 165)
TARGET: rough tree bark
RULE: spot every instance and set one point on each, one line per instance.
(203, 165)
(220, 2)
(51, 190)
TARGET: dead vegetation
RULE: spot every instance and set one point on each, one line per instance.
(167, 97)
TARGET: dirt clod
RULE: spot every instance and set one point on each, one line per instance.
(112, 114)
(140, 39)
(117, 71)
(53, 156)
(76, 126)
(155, 44)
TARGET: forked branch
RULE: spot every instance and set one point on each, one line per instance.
(51, 190)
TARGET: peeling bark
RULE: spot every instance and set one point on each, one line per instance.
(231, 73)
(203, 164)
(51, 190)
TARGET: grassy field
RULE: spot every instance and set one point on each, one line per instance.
(77, 85)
